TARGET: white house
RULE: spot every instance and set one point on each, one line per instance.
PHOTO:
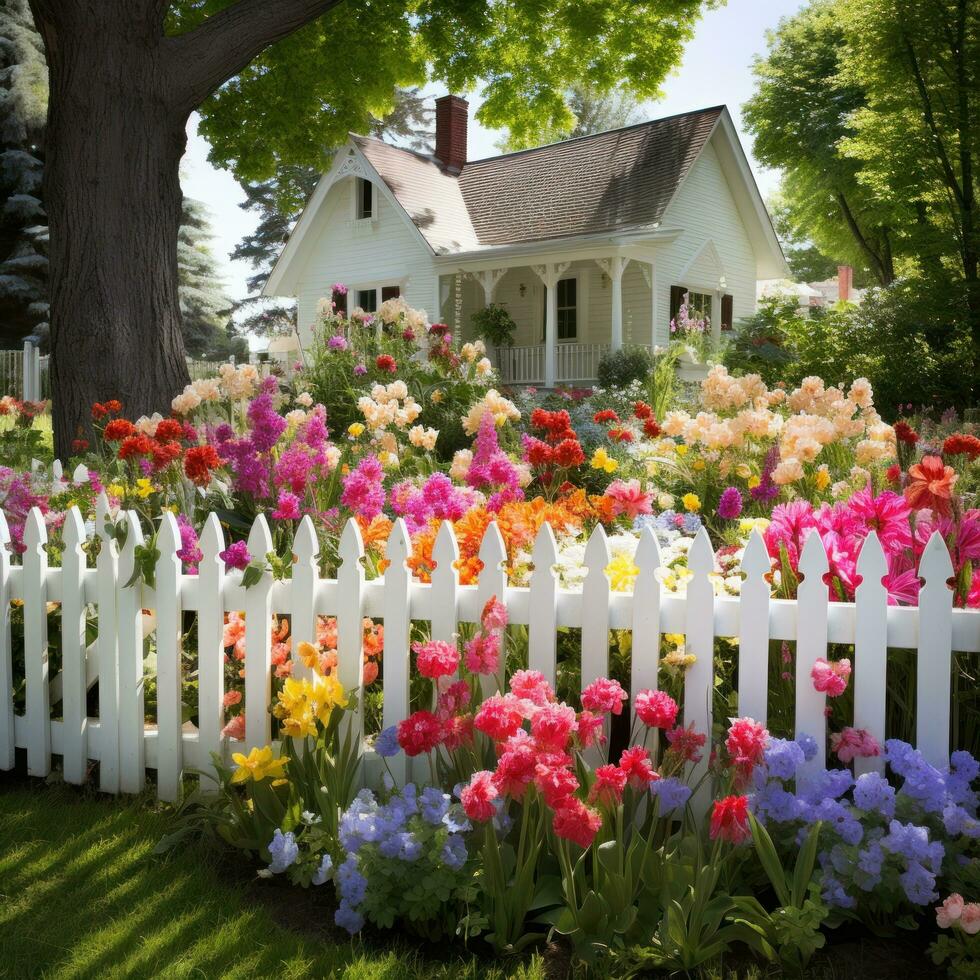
(589, 243)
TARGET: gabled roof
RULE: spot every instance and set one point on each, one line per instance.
(619, 181)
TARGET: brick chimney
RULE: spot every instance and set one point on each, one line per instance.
(845, 277)
(451, 116)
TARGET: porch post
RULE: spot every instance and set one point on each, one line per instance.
(614, 267)
(549, 275)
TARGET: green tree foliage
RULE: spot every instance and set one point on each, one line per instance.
(23, 231)
(592, 110)
(302, 95)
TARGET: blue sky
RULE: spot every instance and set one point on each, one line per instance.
(716, 69)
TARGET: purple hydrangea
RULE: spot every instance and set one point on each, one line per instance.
(783, 758)
(873, 794)
(672, 793)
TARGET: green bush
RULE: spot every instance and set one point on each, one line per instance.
(618, 368)
(760, 344)
(494, 325)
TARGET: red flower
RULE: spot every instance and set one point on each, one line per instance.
(589, 728)
(730, 819)
(113, 406)
(385, 362)
(746, 744)
(650, 428)
(499, 716)
(656, 709)
(419, 732)
(118, 429)
(79, 445)
(164, 453)
(438, 329)
(894, 474)
(169, 429)
(635, 762)
(962, 445)
(905, 433)
(686, 742)
(642, 410)
(436, 659)
(606, 415)
(99, 411)
(604, 696)
(576, 822)
(931, 485)
(537, 452)
(569, 453)
(478, 796)
(141, 445)
(198, 463)
(620, 435)
(458, 729)
(516, 766)
(610, 781)
(555, 783)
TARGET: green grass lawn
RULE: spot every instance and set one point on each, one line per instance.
(82, 895)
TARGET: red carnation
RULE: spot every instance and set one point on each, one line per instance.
(164, 453)
(198, 463)
(730, 819)
(169, 429)
(635, 762)
(118, 429)
(576, 822)
(569, 453)
(656, 709)
(905, 433)
(606, 415)
(478, 796)
(650, 428)
(610, 781)
(642, 410)
(419, 732)
(79, 445)
(99, 411)
(620, 435)
(537, 452)
(385, 362)
(141, 445)
(962, 445)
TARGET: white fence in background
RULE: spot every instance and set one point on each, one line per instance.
(573, 362)
(126, 744)
(24, 373)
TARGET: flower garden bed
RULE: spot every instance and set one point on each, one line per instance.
(549, 807)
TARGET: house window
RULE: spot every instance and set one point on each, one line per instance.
(367, 300)
(390, 292)
(698, 304)
(365, 198)
(339, 301)
(567, 296)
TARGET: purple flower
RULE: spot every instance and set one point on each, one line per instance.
(339, 288)
(671, 792)
(454, 852)
(783, 758)
(348, 918)
(873, 794)
(363, 491)
(386, 744)
(190, 554)
(730, 504)
(236, 555)
(337, 342)
(360, 370)
(288, 508)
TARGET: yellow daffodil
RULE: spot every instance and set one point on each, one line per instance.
(116, 490)
(309, 655)
(144, 487)
(699, 464)
(823, 477)
(743, 470)
(681, 450)
(257, 765)
(691, 502)
(753, 482)
(356, 429)
(622, 572)
(601, 460)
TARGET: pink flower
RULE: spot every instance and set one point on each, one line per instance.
(730, 819)
(499, 717)
(436, 659)
(494, 615)
(555, 783)
(887, 515)
(950, 911)
(231, 698)
(576, 822)
(970, 919)
(478, 796)
(604, 695)
(746, 744)
(516, 766)
(656, 709)
(789, 525)
(482, 653)
(531, 685)
(452, 698)
(419, 732)
(629, 498)
(831, 677)
(589, 729)
(852, 743)
(635, 762)
(288, 507)
(686, 742)
(610, 781)
(235, 728)
(552, 726)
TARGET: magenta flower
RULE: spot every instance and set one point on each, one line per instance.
(363, 491)
(730, 504)
(236, 555)
(887, 514)
(288, 507)
(337, 342)
(830, 677)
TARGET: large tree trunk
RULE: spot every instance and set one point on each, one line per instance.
(112, 192)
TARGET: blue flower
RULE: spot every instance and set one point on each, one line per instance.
(456, 820)
(433, 804)
(919, 884)
(284, 850)
(386, 744)
(692, 523)
(348, 918)
(834, 893)
(454, 852)
(912, 842)
(826, 785)
(870, 860)
(958, 821)
(672, 793)
(774, 802)
(838, 818)
(402, 845)
(783, 758)
(323, 872)
(873, 794)
(809, 745)
(351, 884)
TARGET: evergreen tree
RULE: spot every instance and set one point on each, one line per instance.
(23, 231)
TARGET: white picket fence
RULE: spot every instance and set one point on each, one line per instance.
(126, 745)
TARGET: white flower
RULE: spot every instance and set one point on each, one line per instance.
(305, 399)
(310, 818)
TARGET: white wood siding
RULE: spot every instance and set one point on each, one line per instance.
(362, 255)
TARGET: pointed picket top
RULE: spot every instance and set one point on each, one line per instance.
(399, 548)
(755, 559)
(80, 475)
(544, 554)
(259, 538)
(101, 513)
(648, 557)
(212, 541)
(305, 544)
(351, 548)
(73, 531)
(813, 559)
(57, 470)
(445, 550)
(597, 551)
(493, 553)
(35, 533)
(935, 566)
(169, 540)
(872, 565)
(701, 557)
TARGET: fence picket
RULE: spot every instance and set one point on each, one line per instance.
(132, 751)
(935, 653)
(491, 584)
(303, 592)
(870, 648)
(700, 641)
(350, 614)
(811, 644)
(645, 656)
(445, 585)
(74, 685)
(169, 720)
(38, 707)
(8, 739)
(258, 643)
(595, 609)
(753, 632)
(398, 622)
(210, 649)
(542, 638)
(107, 581)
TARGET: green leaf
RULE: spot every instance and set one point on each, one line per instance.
(766, 851)
(805, 862)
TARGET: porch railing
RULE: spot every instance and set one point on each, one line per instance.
(578, 362)
(521, 365)
(573, 362)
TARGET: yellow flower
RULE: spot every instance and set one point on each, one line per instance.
(699, 464)
(677, 639)
(743, 470)
(823, 477)
(309, 655)
(748, 524)
(754, 481)
(622, 572)
(436, 397)
(116, 490)
(257, 765)
(681, 450)
(601, 460)
(691, 502)
(144, 487)
(356, 429)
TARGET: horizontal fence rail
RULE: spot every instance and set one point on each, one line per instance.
(110, 659)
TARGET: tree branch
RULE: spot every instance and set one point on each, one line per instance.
(226, 42)
(874, 259)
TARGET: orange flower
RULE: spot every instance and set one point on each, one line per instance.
(931, 485)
